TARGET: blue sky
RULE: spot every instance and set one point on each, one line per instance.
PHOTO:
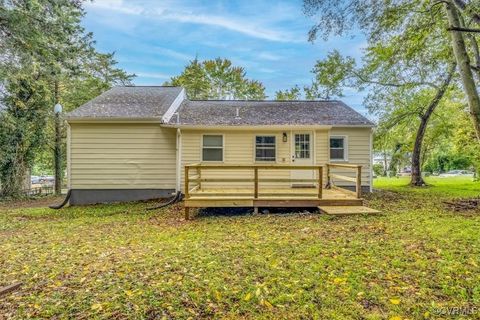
(156, 39)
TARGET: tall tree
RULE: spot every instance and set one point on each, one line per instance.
(407, 53)
(456, 25)
(44, 48)
(217, 79)
(385, 18)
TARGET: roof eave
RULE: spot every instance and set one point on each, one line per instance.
(111, 119)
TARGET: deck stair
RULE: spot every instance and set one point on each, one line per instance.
(347, 210)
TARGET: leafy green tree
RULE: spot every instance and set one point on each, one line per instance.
(288, 94)
(403, 58)
(217, 79)
(331, 75)
(44, 49)
(409, 22)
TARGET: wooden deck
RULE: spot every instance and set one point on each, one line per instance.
(255, 191)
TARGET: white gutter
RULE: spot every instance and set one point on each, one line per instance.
(179, 161)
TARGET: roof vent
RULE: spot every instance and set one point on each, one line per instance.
(237, 114)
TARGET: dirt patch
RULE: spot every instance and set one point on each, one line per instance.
(460, 205)
(31, 203)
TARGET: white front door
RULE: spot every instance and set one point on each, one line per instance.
(302, 155)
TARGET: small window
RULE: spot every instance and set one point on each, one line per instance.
(265, 148)
(337, 148)
(212, 148)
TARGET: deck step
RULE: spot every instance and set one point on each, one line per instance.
(347, 210)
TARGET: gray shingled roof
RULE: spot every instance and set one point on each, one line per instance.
(133, 102)
(210, 113)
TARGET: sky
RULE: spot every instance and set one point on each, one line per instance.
(156, 39)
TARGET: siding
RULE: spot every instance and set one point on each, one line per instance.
(238, 149)
(122, 156)
(358, 153)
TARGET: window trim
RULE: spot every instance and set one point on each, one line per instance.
(223, 147)
(255, 148)
(345, 148)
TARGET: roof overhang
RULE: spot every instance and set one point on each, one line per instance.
(113, 120)
(248, 127)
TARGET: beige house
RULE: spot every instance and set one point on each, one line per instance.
(133, 143)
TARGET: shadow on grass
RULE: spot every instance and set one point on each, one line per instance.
(248, 211)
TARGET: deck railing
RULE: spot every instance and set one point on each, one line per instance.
(194, 178)
(357, 180)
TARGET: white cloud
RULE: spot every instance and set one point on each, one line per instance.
(269, 56)
(153, 75)
(243, 24)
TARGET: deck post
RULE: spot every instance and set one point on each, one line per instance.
(199, 173)
(359, 182)
(187, 213)
(255, 174)
(329, 179)
(187, 182)
(320, 181)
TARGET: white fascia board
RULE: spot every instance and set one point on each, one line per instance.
(174, 106)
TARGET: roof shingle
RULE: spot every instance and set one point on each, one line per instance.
(257, 113)
(133, 102)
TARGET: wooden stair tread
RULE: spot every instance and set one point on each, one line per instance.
(346, 210)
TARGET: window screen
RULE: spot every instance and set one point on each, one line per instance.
(337, 148)
(265, 148)
(212, 148)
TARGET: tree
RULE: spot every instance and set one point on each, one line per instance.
(288, 94)
(456, 23)
(44, 48)
(330, 76)
(217, 79)
(380, 20)
(407, 53)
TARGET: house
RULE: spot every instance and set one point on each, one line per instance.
(136, 142)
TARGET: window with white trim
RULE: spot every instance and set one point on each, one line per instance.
(212, 148)
(337, 148)
(265, 148)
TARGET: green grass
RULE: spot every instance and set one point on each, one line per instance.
(122, 262)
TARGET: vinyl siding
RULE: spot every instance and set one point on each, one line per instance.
(358, 143)
(122, 156)
(239, 148)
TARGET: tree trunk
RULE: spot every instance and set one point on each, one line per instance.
(417, 179)
(463, 61)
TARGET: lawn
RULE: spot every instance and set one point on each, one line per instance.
(121, 261)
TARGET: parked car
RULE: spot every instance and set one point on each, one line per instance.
(35, 179)
(457, 173)
(47, 179)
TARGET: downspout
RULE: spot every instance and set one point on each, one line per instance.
(371, 160)
(179, 161)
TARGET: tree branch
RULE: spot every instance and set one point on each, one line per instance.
(463, 29)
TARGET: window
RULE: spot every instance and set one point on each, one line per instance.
(265, 148)
(302, 146)
(337, 148)
(212, 148)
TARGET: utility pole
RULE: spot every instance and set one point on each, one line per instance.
(57, 153)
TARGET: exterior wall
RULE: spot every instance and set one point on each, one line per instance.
(358, 152)
(239, 148)
(106, 156)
